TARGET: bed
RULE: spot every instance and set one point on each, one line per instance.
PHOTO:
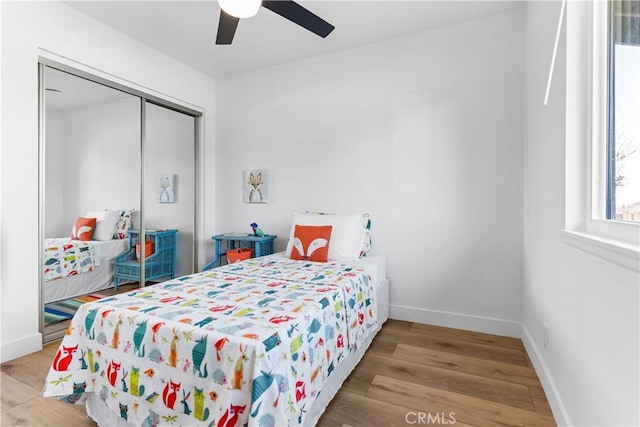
(266, 341)
(84, 263)
(93, 270)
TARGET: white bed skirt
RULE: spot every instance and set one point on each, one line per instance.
(105, 418)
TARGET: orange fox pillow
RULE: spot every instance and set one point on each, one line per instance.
(83, 229)
(311, 242)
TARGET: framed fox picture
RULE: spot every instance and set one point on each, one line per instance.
(256, 186)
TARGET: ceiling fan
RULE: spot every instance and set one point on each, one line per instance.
(232, 10)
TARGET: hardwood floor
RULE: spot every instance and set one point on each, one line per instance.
(421, 374)
(412, 374)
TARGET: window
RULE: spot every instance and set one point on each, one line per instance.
(602, 178)
(622, 199)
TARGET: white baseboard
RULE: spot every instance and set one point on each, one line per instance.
(553, 397)
(22, 347)
(487, 325)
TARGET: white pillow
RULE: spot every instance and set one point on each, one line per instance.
(346, 235)
(105, 224)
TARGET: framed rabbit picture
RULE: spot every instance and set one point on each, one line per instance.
(256, 186)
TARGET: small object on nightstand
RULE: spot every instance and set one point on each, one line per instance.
(257, 231)
(240, 254)
(237, 234)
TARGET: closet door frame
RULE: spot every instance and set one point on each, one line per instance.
(43, 63)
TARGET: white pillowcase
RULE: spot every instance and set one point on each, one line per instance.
(105, 224)
(346, 236)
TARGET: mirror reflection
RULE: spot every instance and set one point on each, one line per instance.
(92, 187)
(169, 154)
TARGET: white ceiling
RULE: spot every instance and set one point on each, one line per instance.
(186, 30)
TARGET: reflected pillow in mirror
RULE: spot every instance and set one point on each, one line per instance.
(83, 229)
(125, 220)
(105, 223)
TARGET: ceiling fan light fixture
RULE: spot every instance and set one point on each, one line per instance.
(240, 8)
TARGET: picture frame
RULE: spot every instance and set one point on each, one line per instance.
(166, 188)
(255, 183)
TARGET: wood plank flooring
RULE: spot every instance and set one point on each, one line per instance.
(416, 374)
(412, 374)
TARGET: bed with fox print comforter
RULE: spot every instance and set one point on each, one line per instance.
(251, 343)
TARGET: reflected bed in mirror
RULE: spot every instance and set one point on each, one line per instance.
(105, 145)
(90, 270)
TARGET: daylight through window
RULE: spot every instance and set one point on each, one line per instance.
(623, 153)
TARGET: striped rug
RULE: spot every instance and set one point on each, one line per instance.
(59, 311)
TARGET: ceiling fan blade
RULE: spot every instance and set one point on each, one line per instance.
(299, 15)
(226, 28)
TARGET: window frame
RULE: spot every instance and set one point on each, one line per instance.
(586, 226)
(597, 221)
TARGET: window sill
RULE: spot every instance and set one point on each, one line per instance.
(623, 254)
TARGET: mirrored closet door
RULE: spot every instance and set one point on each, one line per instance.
(169, 180)
(116, 170)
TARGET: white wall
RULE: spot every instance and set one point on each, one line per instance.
(100, 161)
(61, 33)
(590, 369)
(55, 223)
(106, 144)
(422, 132)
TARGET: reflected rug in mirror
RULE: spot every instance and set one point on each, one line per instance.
(59, 311)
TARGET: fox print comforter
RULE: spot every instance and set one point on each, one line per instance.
(250, 343)
(64, 257)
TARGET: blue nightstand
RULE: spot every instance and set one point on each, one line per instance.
(160, 264)
(261, 246)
